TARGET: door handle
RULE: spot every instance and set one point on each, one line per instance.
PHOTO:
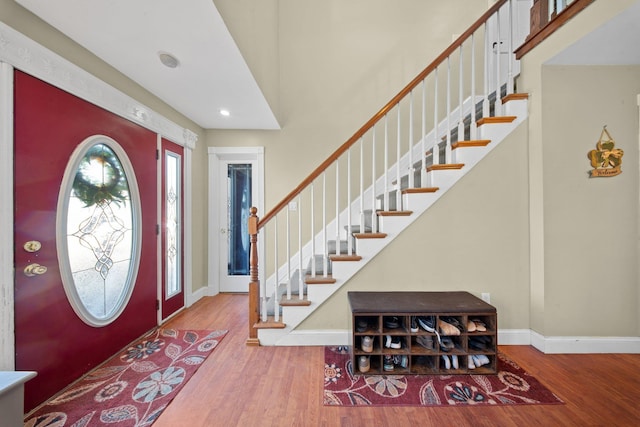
(34, 269)
(32, 246)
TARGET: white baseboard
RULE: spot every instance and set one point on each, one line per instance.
(549, 345)
(555, 345)
(199, 293)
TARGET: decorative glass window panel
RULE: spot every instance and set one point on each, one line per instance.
(239, 203)
(173, 225)
(98, 227)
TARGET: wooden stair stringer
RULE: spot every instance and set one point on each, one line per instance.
(368, 249)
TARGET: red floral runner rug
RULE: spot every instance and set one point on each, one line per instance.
(510, 386)
(134, 386)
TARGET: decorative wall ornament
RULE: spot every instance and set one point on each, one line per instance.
(606, 160)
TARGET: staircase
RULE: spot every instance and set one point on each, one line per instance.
(348, 210)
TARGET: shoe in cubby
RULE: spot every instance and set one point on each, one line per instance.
(392, 322)
(366, 344)
(395, 342)
(449, 325)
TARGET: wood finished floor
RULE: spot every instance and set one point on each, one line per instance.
(282, 386)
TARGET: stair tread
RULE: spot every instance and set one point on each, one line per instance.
(319, 280)
(369, 235)
(345, 257)
(497, 119)
(270, 323)
(515, 96)
(471, 143)
(445, 166)
(420, 190)
(295, 301)
(394, 213)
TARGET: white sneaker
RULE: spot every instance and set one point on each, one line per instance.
(447, 363)
(481, 360)
(470, 363)
(454, 361)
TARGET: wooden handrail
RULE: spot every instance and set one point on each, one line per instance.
(380, 114)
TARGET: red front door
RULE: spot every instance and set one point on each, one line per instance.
(50, 337)
(172, 230)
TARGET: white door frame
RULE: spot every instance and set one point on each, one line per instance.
(217, 156)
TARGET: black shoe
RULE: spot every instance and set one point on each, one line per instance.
(446, 344)
(392, 322)
(428, 323)
(414, 324)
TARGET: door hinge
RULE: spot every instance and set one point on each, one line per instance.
(157, 154)
(157, 304)
(157, 229)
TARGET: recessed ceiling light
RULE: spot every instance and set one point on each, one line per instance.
(168, 60)
(225, 113)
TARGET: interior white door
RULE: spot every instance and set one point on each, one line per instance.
(237, 186)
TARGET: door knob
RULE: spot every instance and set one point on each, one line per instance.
(34, 270)
(32, 246)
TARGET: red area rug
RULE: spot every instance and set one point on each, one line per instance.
(134, 386)
(510, 386)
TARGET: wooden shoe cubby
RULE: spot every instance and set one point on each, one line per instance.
(380, 312)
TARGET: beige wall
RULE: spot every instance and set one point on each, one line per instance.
(590, 224)
(28, 24)
(552, 308)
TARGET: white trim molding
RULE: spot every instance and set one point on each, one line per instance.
(7, 340)
(579, 345)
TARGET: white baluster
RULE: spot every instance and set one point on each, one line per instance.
(474, 126)
(487, 54)
(386, 164)
(300, 267)
(436, 133)
(287, 251)
(510, 55)
(325, 255)
(276, 307)
(362, 219)
(398, 156)
(349, 220)
(313, 231)
(374, 201)
(263, 290)
(447, 148)
(338, 249)
(410, 168)
(460, 93)
(423, 136)
(498, 103)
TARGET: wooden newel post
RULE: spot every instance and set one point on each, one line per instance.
(254, 284)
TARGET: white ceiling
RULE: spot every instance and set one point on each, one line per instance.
(614, 43)
(129, 34)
